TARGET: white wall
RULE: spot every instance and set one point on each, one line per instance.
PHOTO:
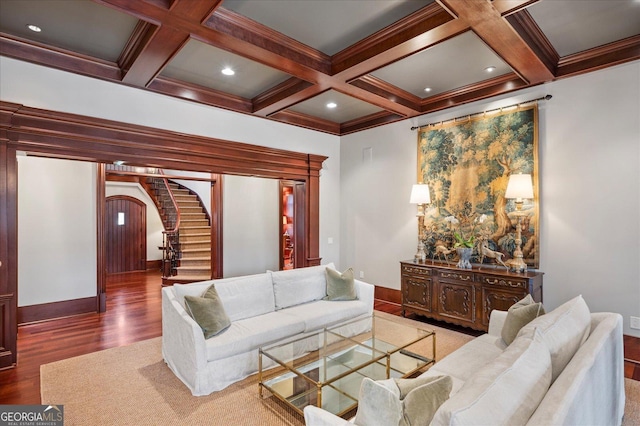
(41, 87)
(250, 225)
(56, 230)
(154, 222)
(589, 187)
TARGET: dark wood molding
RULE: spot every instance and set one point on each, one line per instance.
(382, 88)
(203, 95)
(368, 122)
(8, 242)
(47, 311)
(153, 265)
(601, 57)
(304, 120)
(488, 88)
(101, 249)
(531, 33)
(388, 294)
(217, 248)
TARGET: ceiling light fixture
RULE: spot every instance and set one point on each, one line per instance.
(427, 89)
(228, 71)
(34, 28)
(332, 105)
(490, 69)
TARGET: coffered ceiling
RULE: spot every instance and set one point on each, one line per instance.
(374, 61)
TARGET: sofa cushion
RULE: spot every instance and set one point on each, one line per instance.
(506, 391)
(296, 286)
(340, 286)
(401, 402)
(563, 330)
(208, 312)
(519, 315)
(243, 297)
(250, 333)
(248, 296)
(468, 359)
(324, 313)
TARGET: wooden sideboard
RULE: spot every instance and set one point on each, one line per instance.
(463, 296)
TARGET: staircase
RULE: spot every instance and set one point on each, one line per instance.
(192, 244)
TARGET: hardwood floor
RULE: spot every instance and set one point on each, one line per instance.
(133, 314)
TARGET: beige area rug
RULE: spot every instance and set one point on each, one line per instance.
(131, 385)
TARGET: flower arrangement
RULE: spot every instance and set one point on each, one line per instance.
(465, 236)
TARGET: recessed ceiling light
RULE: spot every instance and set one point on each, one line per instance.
(34, 28)
(427, 89)
(228, 71)
(332, 105)
(490, 69)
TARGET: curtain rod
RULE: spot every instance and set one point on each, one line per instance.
(544, 98)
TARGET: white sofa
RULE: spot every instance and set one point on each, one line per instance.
(526, 382)
(263, 309)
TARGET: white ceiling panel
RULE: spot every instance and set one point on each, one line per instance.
(348, 108)
(454, 63)
(573, 26)
(202, 64)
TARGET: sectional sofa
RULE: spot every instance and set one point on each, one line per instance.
(563, 368)
(264, 309)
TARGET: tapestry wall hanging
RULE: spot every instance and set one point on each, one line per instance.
(467, 164)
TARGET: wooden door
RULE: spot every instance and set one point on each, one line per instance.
(126, 234)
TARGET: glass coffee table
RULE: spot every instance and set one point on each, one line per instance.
(330, 377)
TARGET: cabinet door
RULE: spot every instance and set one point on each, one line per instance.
(416, 292)
(497, 298)
(456, 300)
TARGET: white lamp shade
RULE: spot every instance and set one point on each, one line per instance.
(420, 194)
(519, 186)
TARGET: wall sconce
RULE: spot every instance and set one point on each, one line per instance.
(420, 196)
(520, 187)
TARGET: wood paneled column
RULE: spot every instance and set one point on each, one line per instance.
(312, 248)
(8, 242)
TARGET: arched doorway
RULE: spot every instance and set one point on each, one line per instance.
(126, 234)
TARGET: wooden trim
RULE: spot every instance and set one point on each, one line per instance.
(101, 261)
(217, 249)
(380, 87)
(153, 265)
(310, 122)
(47, 311)
(279, 93)
(531, 33)
(388, 295)
(611, 54)
(8, 243)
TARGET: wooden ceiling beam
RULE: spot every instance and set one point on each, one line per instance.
(615, 53)
(403, 31)
(495, 31)
(152, 47)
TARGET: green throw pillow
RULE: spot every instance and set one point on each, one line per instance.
(208, 312)
(340, 286)
(402, 402)
(520, 314)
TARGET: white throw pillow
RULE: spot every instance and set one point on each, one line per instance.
(563, 330)
(296, 286)
(506, 391)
